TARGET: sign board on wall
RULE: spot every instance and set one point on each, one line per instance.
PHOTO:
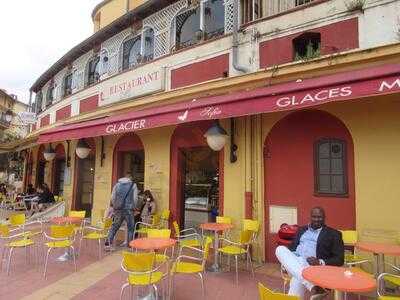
(281, 214)
(27, 117)
(132, 84)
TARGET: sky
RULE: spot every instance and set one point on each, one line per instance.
(34, 34)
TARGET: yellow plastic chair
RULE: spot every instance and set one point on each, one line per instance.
(165, 218)
(61, 237)
(185, 264)
(242, 246)
(351, 259)
(15, 240)
(78, 214)
(224, 220)
(382, 278)
(164, 234)
(142, 227)
(18, 221)
(96, 234)
(285, 277)
(267, 294)
(186, 237)
(141, 271)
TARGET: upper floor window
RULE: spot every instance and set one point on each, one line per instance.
(39, 100)
(93, 70)
(200, 23)
(307, 46)
(250, 10)
(301, 2)
(131, 55)
(50, 95)
(330, 167)
(138, 49)
(68, 85)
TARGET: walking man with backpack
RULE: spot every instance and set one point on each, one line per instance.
(124, 201)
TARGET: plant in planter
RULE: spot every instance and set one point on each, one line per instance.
(355, 5)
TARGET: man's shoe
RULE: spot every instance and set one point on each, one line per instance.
(318, 293)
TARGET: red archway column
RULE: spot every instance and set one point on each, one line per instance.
(188, 136)
(127, 142)
(289, 171)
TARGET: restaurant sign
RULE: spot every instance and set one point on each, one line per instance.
(131, 85)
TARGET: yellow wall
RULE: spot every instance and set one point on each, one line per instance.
(112, 10)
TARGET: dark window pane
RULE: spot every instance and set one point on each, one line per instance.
(324, 183)
(337, 166)
(214, 18)
(93, 74)
(131, 53)
(68, 85)
(187, 24)
(324, 150)
(338, 184)
(336, 149)
(324, 166)
(148, 37)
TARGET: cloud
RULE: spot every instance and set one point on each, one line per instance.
(35, 34)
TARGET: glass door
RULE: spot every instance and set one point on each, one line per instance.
(200, 180)
(132, 161)
(85, 184)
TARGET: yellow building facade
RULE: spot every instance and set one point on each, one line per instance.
(272, 146)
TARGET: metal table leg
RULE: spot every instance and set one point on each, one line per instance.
(215, 267)
(338, 295)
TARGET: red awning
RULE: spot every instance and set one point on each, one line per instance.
(281, 97)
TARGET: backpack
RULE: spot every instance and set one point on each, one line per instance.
(119, 203)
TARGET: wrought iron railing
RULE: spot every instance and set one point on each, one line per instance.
(274, 7)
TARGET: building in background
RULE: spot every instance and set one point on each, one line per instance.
(12, 131)
(250, 109)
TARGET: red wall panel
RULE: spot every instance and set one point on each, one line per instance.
(89, 104)
(45, 121)
(280, 50)
(63, 113)
(213, 68)
(289, 171)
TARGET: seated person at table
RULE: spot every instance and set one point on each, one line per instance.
(149, 207)
(30, 190)
(315, 244)
(44, 197)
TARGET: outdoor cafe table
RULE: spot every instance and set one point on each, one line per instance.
(379, 250)
(217, 228)
(152, 243)
(339, 279)
(62, 221)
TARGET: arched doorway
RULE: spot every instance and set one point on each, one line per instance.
(196, 192)
(129, 157)
(309, 161)
(84, 180)
(40, 167)
(58, 171)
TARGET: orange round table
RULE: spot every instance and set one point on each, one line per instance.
(216, 227)
(152, 243)
(379, 250)
(335, 278)
(66, 220)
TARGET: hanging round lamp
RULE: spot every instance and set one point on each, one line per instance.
(49, 154)
(216, 136)
(82, 149)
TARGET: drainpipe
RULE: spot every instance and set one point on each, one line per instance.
(235, 41)
(30, 101)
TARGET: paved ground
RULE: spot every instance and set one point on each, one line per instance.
(102, 279)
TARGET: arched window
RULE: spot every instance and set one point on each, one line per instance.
(330, 174)
(131, 55)
(148, 44)
(39, 100)
(214, 18)
(67, 85)
(187, 25)
(93, 70)
(50, 95)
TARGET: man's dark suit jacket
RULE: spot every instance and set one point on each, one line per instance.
(330, 246)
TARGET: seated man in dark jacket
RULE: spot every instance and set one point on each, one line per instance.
(314, 244)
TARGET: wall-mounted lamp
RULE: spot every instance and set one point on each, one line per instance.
(82, 149)
(68, 162)
(8, 116)
(216, 136)
(49, 154)
(102, 155)
(234, 147)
